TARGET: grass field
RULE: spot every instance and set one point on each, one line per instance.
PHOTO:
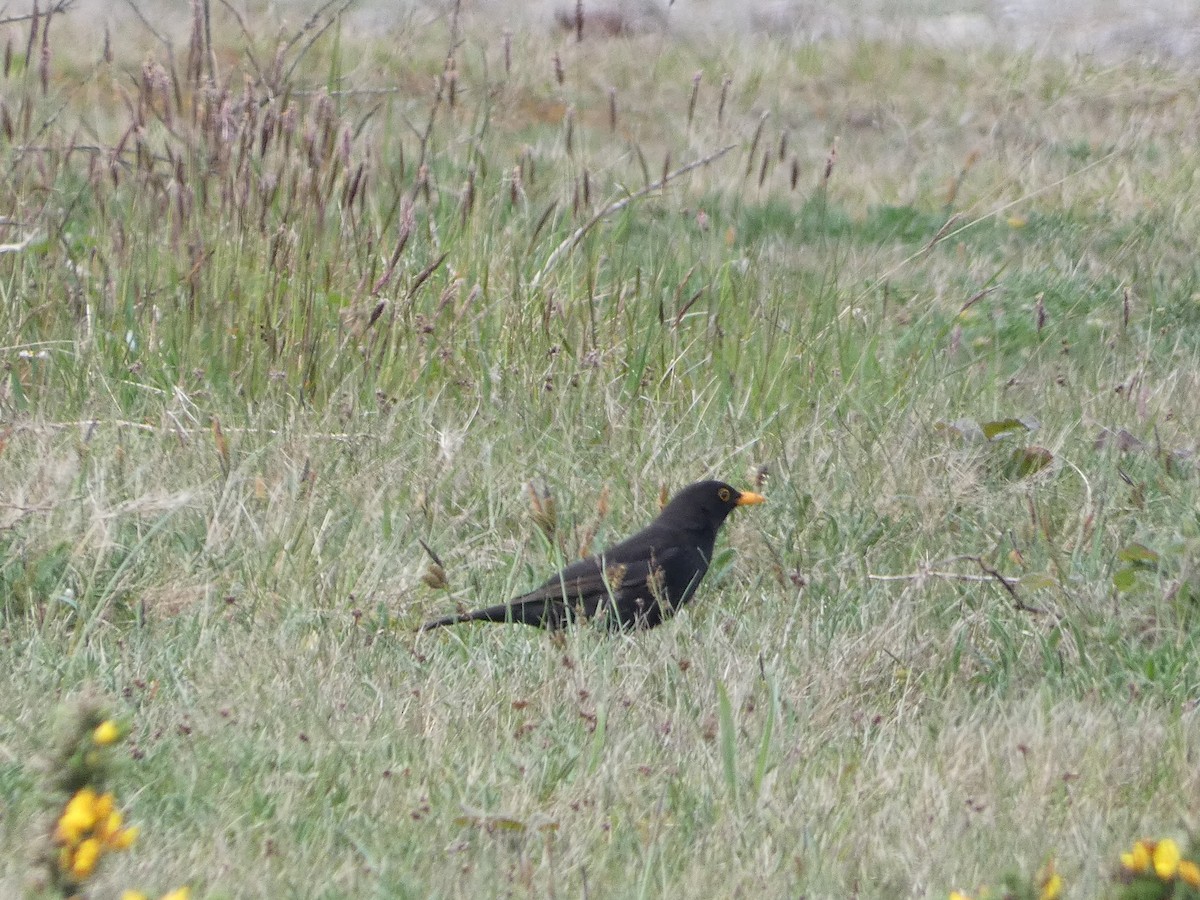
(283, 303)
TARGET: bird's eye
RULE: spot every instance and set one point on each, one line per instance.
(723, 495)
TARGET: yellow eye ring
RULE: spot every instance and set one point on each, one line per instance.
(723, 495)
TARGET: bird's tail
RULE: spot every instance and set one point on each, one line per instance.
(443, 621)
(528, 613)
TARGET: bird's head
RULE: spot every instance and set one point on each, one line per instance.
(706, 504)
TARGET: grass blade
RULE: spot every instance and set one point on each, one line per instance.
(728, 741)
(764, 746)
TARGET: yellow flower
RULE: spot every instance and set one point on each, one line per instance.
(1048, 881)
(124, 838)
(178, 894)
(107, 828)
(103, 806)
(78, 818)
(71, 829)
(86, 857)
(1189, 872)
(107, 732)
(956, 895)
(84, 800)
(1138, 860)
(133, 895)
(1166, 859)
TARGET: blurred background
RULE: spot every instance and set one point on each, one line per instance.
(1159, 28)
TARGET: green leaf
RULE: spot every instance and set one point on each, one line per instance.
(597, 753)
(1002, 428)
(1138, 555)
(1124, 579)
(17, 391)
(764, 745)
(728, 740)
(1026, 461)
(490, 823)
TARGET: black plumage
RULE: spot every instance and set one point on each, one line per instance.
(634, 584)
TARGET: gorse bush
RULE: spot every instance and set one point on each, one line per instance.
(88, 826)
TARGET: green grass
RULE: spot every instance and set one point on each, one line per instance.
(244, 379)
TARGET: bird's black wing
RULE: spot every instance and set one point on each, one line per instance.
(617, 592)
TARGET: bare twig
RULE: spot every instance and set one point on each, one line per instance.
(989, 575)
(312, 40)
(424, 274)
(993, 214)
(977, 296)
(158, 36)
(74, 148)
(683, 309)
(312, 21)
(432, 555)
(443, 80)
(21, 244)
(357, 92)
(616, 206)
(212, 54)
(932, 573)
(1011, 587)
(92, 424)
(249, 50)
(55, 8)
(942, 232)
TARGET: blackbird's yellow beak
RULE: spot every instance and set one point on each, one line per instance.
(749, 498)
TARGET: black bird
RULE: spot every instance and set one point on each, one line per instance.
(634, 584)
